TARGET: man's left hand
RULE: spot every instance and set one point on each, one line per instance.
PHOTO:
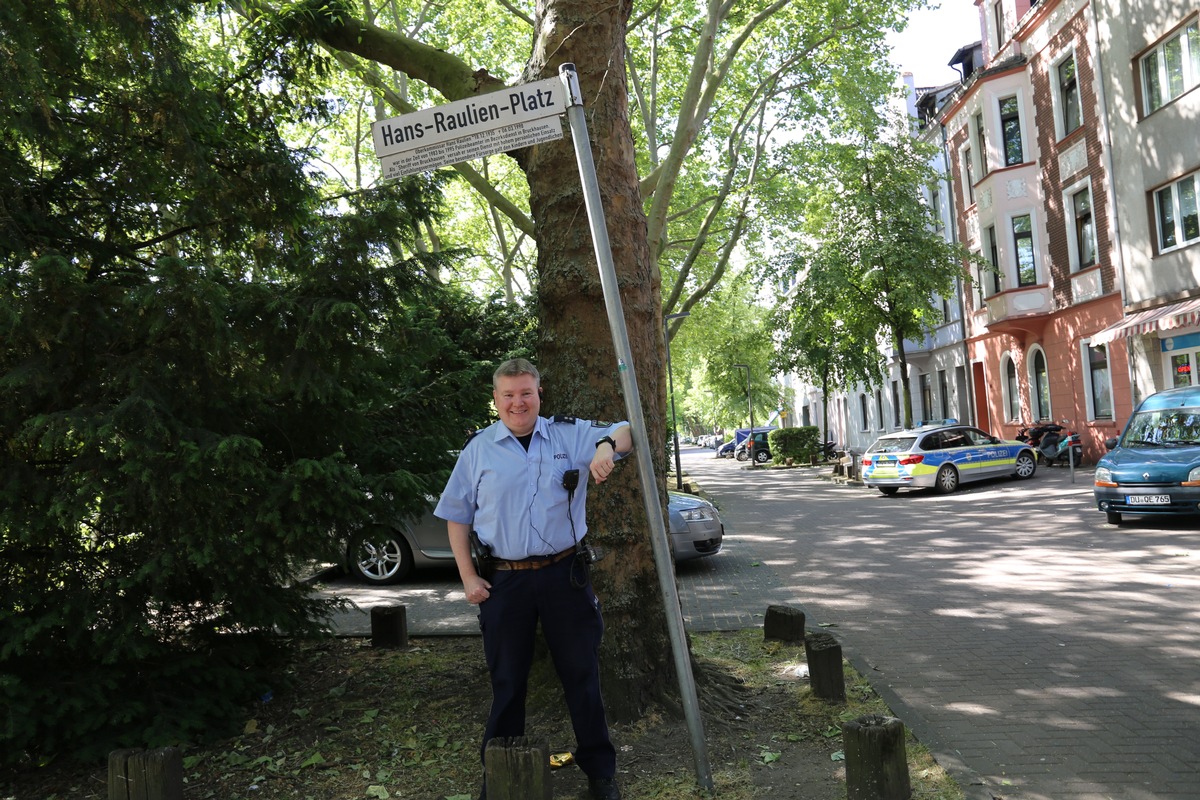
(602, 463)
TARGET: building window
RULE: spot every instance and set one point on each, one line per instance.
(1171, 68)
(1181, 369)
(968, 175)
(1085, 228)
(1176, 209)
(1039, 380)
(944, 391)
(993, 258)
(1010, 127)
(935, 203)
(1068, 95)
(1098, 384)
(926, 397)
(1012, 391)
(1023, 246)
(879, 407)
(1001, 29)
(862, 410)
(981, 142)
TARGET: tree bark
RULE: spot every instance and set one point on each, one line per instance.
(575, 349)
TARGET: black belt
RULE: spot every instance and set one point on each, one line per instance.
(534, 562)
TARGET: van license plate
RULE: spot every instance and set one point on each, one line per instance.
(1148, 499)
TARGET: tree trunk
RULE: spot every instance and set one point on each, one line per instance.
(575, 350)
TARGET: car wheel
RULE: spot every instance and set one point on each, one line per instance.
(742, 455)
(888, 490)
(1026, 466)
(947, 479)
(762, 456)
(1113, 517)
(380, 556)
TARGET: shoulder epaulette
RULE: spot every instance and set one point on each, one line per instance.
(471, 436)
(564, 418)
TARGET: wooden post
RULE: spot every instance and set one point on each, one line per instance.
(824, 656)
(389, 626)
(145, 774)
(517, 768)
(784, 624)
(876, 761)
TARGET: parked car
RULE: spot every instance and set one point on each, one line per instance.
(695, 527)
(762, 450)
(726, 450)
(942, 457)
(1154, 466)
(388, 554)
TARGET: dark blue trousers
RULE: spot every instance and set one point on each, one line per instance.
(572, 624)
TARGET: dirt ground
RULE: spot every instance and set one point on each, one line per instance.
(362, 722)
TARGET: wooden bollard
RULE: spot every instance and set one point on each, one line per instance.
(389, 626)
(876, 761)
(784, 624)
(824, 656)
(145, 774)
(517, 768)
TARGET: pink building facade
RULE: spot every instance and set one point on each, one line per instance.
(1029, 164)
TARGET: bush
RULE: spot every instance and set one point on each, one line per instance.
(796, 443)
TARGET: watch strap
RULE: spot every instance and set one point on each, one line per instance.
(608, 439)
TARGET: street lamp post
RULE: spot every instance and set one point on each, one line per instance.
(671, 387)
(750, 401)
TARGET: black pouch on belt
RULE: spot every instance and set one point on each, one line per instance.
(482, 558)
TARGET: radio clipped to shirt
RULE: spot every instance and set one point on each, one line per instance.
(583, 551)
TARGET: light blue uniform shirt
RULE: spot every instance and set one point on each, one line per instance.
(513, 498)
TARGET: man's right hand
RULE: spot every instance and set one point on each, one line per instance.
(477, 589)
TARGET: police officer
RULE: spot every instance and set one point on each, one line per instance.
(510, 486)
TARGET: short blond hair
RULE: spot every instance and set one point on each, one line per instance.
(514, 367)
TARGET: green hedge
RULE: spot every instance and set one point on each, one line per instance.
(797, 443)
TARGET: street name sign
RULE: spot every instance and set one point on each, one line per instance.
(471, 128)
(471, 146)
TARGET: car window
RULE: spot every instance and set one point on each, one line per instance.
(955, 439)
(1169, 427)
(979, 438)
(893, 444)
(932, 441)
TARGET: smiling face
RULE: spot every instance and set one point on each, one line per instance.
(518, 402)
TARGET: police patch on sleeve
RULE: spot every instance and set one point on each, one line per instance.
(600, 424)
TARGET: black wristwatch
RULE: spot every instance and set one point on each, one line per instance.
(608, 439)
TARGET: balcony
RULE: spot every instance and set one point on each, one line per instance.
(1020, 310)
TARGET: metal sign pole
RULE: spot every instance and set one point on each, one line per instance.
(637, 423)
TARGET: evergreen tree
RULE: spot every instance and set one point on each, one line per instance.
(209, 376)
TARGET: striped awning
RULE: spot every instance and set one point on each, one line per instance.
(1163, 318)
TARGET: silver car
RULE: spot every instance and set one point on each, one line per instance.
(384, 555)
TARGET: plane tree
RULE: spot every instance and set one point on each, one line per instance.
(871, 256)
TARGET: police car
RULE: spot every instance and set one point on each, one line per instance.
(941, 457)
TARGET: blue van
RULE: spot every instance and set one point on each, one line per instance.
(1154, 467)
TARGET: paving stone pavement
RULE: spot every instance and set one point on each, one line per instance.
(1040, 653)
